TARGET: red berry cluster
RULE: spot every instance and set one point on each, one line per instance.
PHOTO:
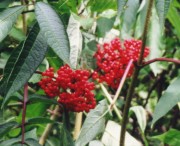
(112, 60)
(72, 87)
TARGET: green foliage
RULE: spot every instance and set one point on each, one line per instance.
(93, 125)
(53, 30)
(129, 18)
(23, 62)
(168, 100)
(140, 113)
(108, 24)
(162, 7)
(8, 18)
(121, 6)
(68, 32)
(102, 5)
(172, 137)
(6, 127)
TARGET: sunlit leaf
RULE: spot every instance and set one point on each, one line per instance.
(155, 43)
(75, 38)
(96, 143)
(7, 19)
(111, 136)
(140, 115)
(53, 30)
(168, 100)
(93, 125)
(102, 5)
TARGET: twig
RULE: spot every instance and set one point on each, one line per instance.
(122, 81)
(78, 123)
(110, 100)
(24, 112)
(160, 59)
(135, 76)
(48, 128)
(24, 12)
(24, 19)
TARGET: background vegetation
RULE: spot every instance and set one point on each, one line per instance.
(36, 35)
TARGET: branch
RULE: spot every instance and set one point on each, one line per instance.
(160, 59)
(25, 99)
(135, 76)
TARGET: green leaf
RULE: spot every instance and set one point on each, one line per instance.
(39, 120)
(53, 59)
(6, 127)
(121, 4)
(168, 100)
(66, 139)
(40, 98)
(10, 142)
(107, 25)
(28, 135)
(172, 137)
(23, 62)
(111, 136)
(102, 5)
(32, 142)
(140, 115)
(53, 29)
(75, 38)
(173, 17)
(141, 18)
(154, 43)
(94, 124)
(162, 7)
(7, 19)
(96, 143)
(5, 3)
(129, 18)
(17, 34)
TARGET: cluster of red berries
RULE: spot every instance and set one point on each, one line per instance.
(112, 60)
(72, 87)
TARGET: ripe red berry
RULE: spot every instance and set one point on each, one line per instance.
(72, 87)
(112, 60)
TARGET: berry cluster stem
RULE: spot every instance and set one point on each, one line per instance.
(160, 59)
(24, 113)
(135, 76)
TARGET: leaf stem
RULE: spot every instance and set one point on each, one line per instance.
(25, 99)
(160, 59)
(135, 76)
(122, 81)
(110, 100)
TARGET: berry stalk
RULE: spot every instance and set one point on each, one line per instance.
(24, 112)
(135, 77)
